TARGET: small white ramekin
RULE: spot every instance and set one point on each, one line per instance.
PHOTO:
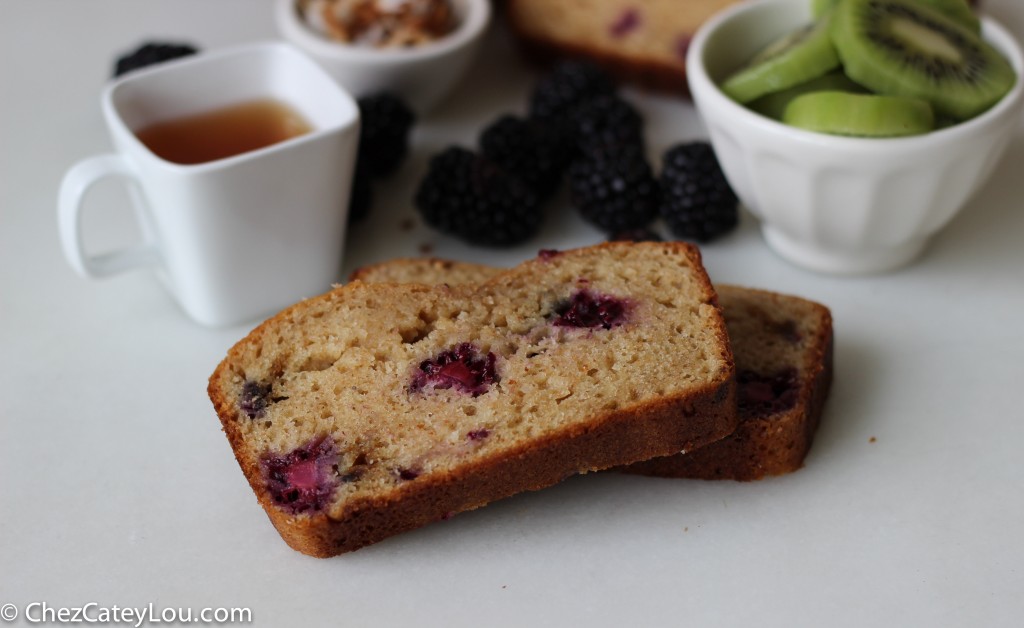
(837, 204)
(422, 75)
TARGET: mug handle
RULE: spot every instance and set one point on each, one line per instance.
(76, 183)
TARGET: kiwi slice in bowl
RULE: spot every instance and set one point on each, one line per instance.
(774, 105)
(959, 10)
(793, 59)
(905, 48)
(820, 7)
(860, 115)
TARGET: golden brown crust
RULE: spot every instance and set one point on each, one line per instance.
(635, 435)
(426, 270)
(704, 414)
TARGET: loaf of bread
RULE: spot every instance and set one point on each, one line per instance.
(783, 350)
(378, 408)
(643, 41)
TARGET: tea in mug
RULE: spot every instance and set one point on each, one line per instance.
(224, 132)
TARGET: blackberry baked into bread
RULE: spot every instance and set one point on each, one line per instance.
(378, 408)
(642, 41)
(783, 350)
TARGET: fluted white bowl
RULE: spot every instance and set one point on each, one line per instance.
(838, 204)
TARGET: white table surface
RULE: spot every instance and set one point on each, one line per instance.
(117, 486)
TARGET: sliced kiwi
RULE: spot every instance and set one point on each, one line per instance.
(903, 48)
(796, 58)
(821, 7)
(860, 115)
(959, 10)
(774, 105)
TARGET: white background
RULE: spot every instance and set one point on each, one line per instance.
(117, 486)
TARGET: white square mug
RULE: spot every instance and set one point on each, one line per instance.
(234, 238)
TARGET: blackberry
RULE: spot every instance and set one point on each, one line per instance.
(588, 310)
(614, 190)
(471, 197)
(407, 474)
(463, 367)
(305, 478)
(697, 202)
(569, 85)
(384, 133)
(254, 399)
(762, 395)
(151, 53)
(607, 121)
(536, 152)
(478, 434)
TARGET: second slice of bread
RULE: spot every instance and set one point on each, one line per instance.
(783, 350)
(378, 408)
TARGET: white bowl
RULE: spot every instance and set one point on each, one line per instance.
(422, 75)
(838, 204)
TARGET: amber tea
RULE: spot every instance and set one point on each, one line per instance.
(224, 132)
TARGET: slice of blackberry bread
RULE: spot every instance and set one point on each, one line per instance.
(378, 408)
(783, 350)
(643, 41)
